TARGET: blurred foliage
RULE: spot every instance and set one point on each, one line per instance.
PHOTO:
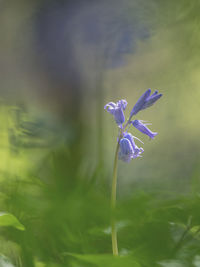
(64, 210)
(61, 61)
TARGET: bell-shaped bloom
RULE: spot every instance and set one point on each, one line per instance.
(143, 128)
(116, 109)
(128, 149)
(136, 150)
(145, 101)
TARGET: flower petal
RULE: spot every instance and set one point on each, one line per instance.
(119, 116)
(122, 104)
(144, 129)
(136, 151)
(126, 151)
(151, 100)
(130, 138)
(138, 106)
(117, 111)
(110, 107)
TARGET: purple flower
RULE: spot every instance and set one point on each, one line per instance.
(136, 151)
(117, 110)
(143, 128)
(128, 149)
(145, 101)
(151, 99)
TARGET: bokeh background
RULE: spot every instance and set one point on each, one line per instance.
(61, 62)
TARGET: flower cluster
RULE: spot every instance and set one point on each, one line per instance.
(127, 147)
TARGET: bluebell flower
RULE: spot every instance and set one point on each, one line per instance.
(117, 110)
(136, 151)
(128, 149)
(145, 101)
(125, 150)
(143, 128)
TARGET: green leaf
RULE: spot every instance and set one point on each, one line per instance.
(107, 260)
(7, 219)
(195, 229)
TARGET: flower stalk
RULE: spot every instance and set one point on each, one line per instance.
(126, 148)
(113, 203)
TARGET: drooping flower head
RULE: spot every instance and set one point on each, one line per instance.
(117, 110)
(127, 147)
(143, 128)
(126, 150)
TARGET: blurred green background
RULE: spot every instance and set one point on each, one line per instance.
(61, 62)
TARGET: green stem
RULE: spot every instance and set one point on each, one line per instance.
(113, 203)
